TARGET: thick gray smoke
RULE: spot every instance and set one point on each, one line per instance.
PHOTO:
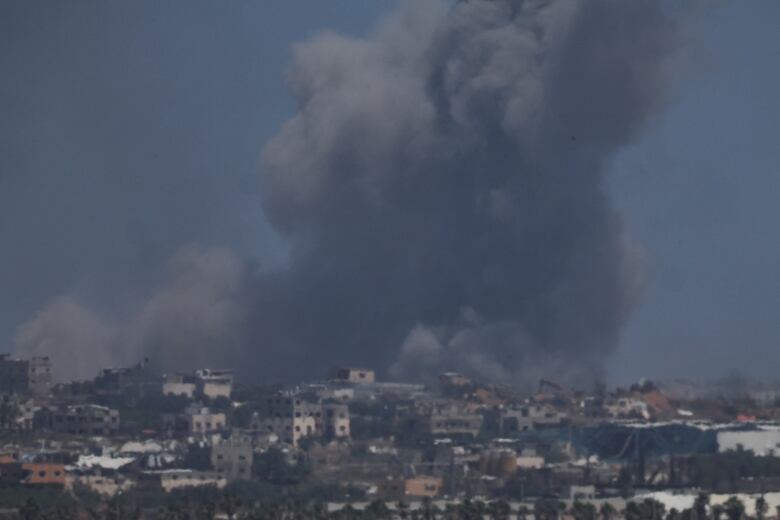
(441, 189)
(442, 186)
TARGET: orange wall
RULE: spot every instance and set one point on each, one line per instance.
(45, 473)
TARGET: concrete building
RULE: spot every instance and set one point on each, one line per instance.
(202, 420)
(14, 375)
(172, 479)
(355, 375)
(40, 377)
(233, 459)
(529, 417)
(335, 422)
(289, 417)
(179, 385)
(626, 407)
(84, 419)
(214, 383)
(44, 473)
(21, 376)
(760, 442)
(423, 486)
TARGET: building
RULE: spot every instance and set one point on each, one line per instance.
(40, 377)
(202, 420)
(84, 419)
(626, 407)
(289, 417)
(102, 484)
(355, 375)
(14, 375)
(44, 473)
(454, 384)
(529, 417)
(127, 383)
(232, 458)
(179, 385)
(20, 376)
(761, 442)
(423, 486)
(213, 383)
(335, 420)
(172, 479)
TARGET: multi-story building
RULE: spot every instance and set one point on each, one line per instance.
(530, 417)
(232, 458)
(14, 375)
(202, 383)
(289, 417)
(201, 420)
(179, 385)
(335, 420)
(214, 383)
(21, 376)
(84, 419)
(40, 377)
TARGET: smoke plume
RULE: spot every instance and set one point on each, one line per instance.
(441, 188)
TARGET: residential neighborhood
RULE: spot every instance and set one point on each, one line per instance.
(134, 439)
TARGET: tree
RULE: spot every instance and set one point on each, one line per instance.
(761, 507)
(735, 509)
(546, 509)
(716, 511)
(699, 511)
(583, 511)
(499, 510)
(30, 510)
(607, 511)
(377, 510)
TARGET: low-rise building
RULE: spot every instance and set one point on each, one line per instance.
(44, 473)
(423, 486)
(355, 375)
(172, 479)
(84, 419)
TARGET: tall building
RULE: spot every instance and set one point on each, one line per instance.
(21, 376)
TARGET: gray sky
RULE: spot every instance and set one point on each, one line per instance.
(126, 124)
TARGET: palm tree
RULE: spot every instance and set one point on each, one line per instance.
(761, 507)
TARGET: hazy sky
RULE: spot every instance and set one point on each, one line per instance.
(125, 124)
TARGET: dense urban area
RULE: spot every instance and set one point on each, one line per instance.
(137, 444)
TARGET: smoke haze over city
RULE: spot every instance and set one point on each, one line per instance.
(492, 187)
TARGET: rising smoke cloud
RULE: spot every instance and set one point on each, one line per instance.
(441, 188)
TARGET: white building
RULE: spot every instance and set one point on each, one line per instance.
(760, 442)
